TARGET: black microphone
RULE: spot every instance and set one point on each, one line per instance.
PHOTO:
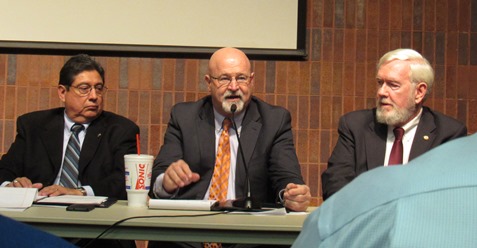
(247, 203)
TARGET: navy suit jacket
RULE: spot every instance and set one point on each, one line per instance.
(38, 150)
(267, 142)
(361, 144)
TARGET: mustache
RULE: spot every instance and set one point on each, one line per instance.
(384, 101)
(229, 94)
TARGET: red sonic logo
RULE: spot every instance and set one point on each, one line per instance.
(141, 177)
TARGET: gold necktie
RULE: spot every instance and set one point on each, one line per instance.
(220, 179)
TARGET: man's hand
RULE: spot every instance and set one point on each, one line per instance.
(297, 197)
(56, 190)
(178, 175)
(24, 182)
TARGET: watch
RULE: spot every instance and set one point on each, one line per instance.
(83, 191)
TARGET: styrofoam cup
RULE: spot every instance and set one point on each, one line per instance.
(138, 170)
(137, 198)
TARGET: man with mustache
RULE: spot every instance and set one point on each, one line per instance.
(404, 80)
(38, 158)
(185, 165)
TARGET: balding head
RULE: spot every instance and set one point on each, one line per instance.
(226, 57)
(229, 80)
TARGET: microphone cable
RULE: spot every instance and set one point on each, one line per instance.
(145, 217)
(248, 193)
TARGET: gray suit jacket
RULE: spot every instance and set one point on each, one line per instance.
(267, 142)
(362, 143)
(38, 150)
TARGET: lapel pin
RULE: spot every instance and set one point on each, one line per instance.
(99, 135)
(426, 137)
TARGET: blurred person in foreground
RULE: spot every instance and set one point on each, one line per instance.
(366, 137)
(428, 203)
(17, 234)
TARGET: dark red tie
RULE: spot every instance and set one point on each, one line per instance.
(396, 152)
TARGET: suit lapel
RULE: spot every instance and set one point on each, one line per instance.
(251, 127)
(206, 137)
(250, 131)
(424, 136)
(375, 138)
(52, 137)
(91, 142)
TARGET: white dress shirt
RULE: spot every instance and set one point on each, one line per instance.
(409, 133)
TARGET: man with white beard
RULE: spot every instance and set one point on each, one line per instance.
(186, 165)
(366, 137)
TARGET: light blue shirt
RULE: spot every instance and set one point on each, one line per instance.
(431, 202)
(66, 137)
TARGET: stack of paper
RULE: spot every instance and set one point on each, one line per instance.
(16, 199)
(71, 199)
(204, 205)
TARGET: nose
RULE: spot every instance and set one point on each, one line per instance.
(382, 90)
(233, 85)
(93, 94)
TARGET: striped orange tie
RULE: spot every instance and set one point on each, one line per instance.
(220, 179)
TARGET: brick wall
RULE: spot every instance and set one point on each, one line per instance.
(345, 38)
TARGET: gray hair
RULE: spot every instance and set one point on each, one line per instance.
(421, 69)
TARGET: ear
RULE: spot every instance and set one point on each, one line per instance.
(62, 92)
(252, 79)
(421, 90)
(208, 81)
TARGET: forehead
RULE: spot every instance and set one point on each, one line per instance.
(87, 77)
(394, 70)
(232, 65)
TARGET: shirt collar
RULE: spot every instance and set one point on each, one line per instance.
(69, 123)
(411, 124)
(220, 118)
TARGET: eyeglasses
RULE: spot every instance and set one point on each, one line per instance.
(85, 89)
(226, 80)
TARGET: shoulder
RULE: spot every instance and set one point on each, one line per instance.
(110, 118)
(196, 105)
(188, 111)
(266, 109)
(42, 116)
(441, 119)
(359, 118)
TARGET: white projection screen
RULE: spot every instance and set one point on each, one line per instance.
(260, 27)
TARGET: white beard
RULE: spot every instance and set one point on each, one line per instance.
(397, 115)
(227, 105)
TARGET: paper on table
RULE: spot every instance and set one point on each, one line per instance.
(17, 198)
(72, 199)
(204, 205)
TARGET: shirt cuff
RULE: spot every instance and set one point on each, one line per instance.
(159, 191)
(88, 189)
(281, 197)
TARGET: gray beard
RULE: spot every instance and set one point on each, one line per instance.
(396, 116)
(227, 105)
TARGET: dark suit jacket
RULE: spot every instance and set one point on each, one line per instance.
(267, 141)
(361, 144)
(37, 151)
